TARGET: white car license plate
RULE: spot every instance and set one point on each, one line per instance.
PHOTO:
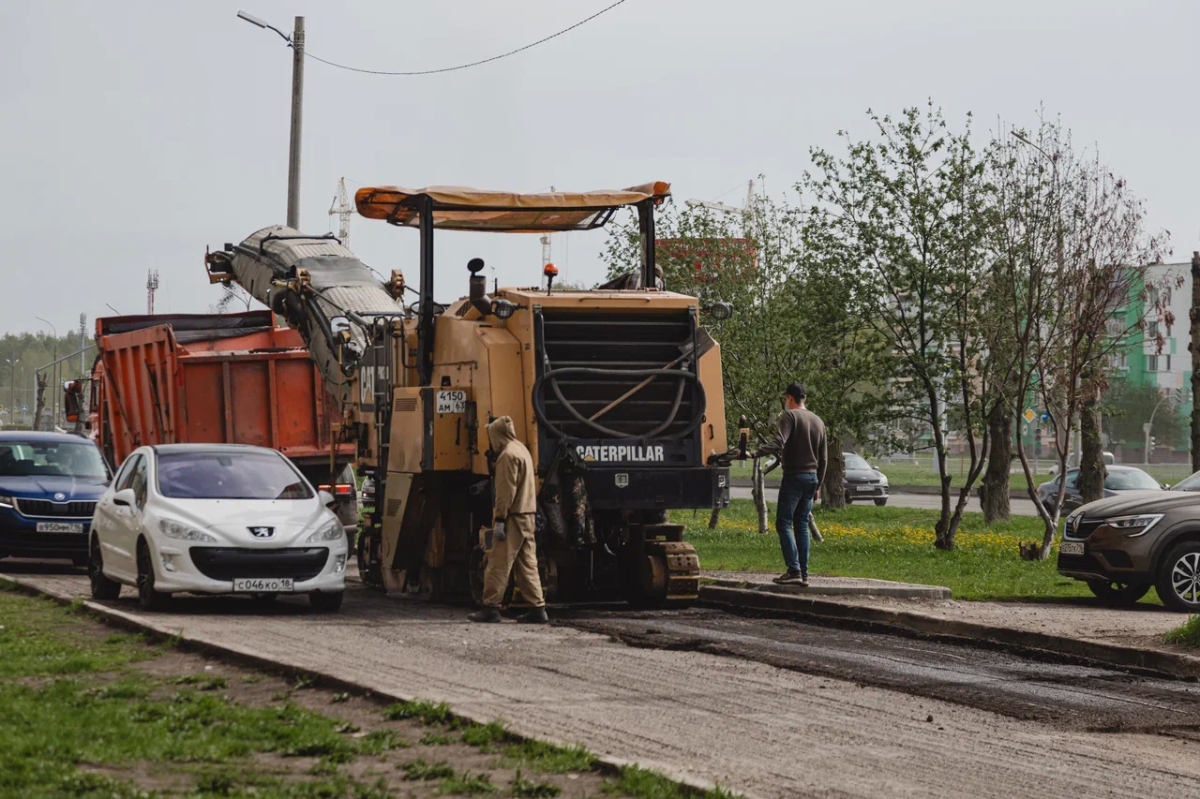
(864, 488)
(1071, 548)
(260, 585)
(60, 527)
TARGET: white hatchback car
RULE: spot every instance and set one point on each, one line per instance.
(215, 519)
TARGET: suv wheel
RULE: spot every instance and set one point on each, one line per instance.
(1179, 578)
(1114, 593)
(102, 587)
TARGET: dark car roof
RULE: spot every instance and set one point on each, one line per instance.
(31, 435)
(1112, 467)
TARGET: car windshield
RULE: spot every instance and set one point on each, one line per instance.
(1188, 483)
(52, 459)
(1129, 480)
(856, 462)
(229, 475)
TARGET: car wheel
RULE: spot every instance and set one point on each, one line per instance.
(326, 601)
(148, 597)
(1179, 578)
(881, 502)
(1115, 593)
(102, 587)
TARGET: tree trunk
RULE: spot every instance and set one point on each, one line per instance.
(760, 498)
(1091, 448)
(712, 520)
(833, 491)
(943, 535)
(993, 491)
(40, 402)
(1194, 348)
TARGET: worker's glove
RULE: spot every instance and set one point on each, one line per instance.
(499, 531)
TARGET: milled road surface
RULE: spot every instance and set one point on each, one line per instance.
(796, 712)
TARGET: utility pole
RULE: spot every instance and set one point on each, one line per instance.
(1194, 348)
(82, 344)
(293, 206)
(296, 42)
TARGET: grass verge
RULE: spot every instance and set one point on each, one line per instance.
(892, 544)
(90, 713)
(1186, 634)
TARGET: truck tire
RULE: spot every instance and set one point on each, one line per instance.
(1178, 576)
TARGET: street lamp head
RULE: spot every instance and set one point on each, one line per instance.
(251, 19)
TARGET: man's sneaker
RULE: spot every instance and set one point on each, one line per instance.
(804, 580)
(788, 577)
(487, 616)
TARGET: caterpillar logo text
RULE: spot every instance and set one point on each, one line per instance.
(613, 453)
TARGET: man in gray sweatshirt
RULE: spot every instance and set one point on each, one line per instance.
(800, 443)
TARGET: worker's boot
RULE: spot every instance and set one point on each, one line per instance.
(535, 616)
(487, 616)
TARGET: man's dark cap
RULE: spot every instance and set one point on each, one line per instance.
(797, 391)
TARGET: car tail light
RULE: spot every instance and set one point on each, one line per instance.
(340, 490)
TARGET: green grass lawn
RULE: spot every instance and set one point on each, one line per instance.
(891, 544)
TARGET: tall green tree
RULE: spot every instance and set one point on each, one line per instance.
(905, 212)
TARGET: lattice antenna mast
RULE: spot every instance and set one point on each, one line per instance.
(151, 287)
(342, 209)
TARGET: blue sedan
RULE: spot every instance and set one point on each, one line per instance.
(49, 484)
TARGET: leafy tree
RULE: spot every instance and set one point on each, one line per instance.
(905, 215)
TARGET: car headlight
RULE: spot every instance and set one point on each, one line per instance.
(6, 502)
(883, 479)
(173, 529)
(330, 532)
(1134, 526)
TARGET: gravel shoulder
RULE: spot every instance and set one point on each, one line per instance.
(757, 728)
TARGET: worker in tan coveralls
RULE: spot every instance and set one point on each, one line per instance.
(513, 517)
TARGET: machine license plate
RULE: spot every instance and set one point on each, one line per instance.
(260, 585)
(451, 402)
(1072, 548)
(60, 527)
(864, 488)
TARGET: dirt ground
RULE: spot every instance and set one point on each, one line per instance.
(761, 729)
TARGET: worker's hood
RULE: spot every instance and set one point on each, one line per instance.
(501, 433)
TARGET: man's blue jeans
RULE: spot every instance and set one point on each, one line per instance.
(795, 502)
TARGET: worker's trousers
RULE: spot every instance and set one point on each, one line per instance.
(517, 550)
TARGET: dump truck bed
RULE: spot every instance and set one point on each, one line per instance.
(211, 378)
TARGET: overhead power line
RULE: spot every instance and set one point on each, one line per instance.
(473, 63)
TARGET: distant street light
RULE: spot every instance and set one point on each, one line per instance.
(296, 42)
(12, 393)
(54, 363)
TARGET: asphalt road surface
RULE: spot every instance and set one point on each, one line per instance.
(1020, 507)
(770, 708)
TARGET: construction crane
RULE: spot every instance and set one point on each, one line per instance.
(747, 208)
(151, 287)
(342, 209)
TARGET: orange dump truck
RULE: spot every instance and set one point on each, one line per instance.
(216, 378)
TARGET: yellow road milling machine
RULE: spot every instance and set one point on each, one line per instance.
(615, 391)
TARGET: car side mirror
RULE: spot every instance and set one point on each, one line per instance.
(1165, 486)
(326, 498)
(125, 498)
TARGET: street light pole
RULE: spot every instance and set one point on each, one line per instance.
(296, 42)
(1147, 427)
(12, 391)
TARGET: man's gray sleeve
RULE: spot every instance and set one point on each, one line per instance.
(822, 457)
(777, 442)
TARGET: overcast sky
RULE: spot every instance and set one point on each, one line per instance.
(132, 134)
